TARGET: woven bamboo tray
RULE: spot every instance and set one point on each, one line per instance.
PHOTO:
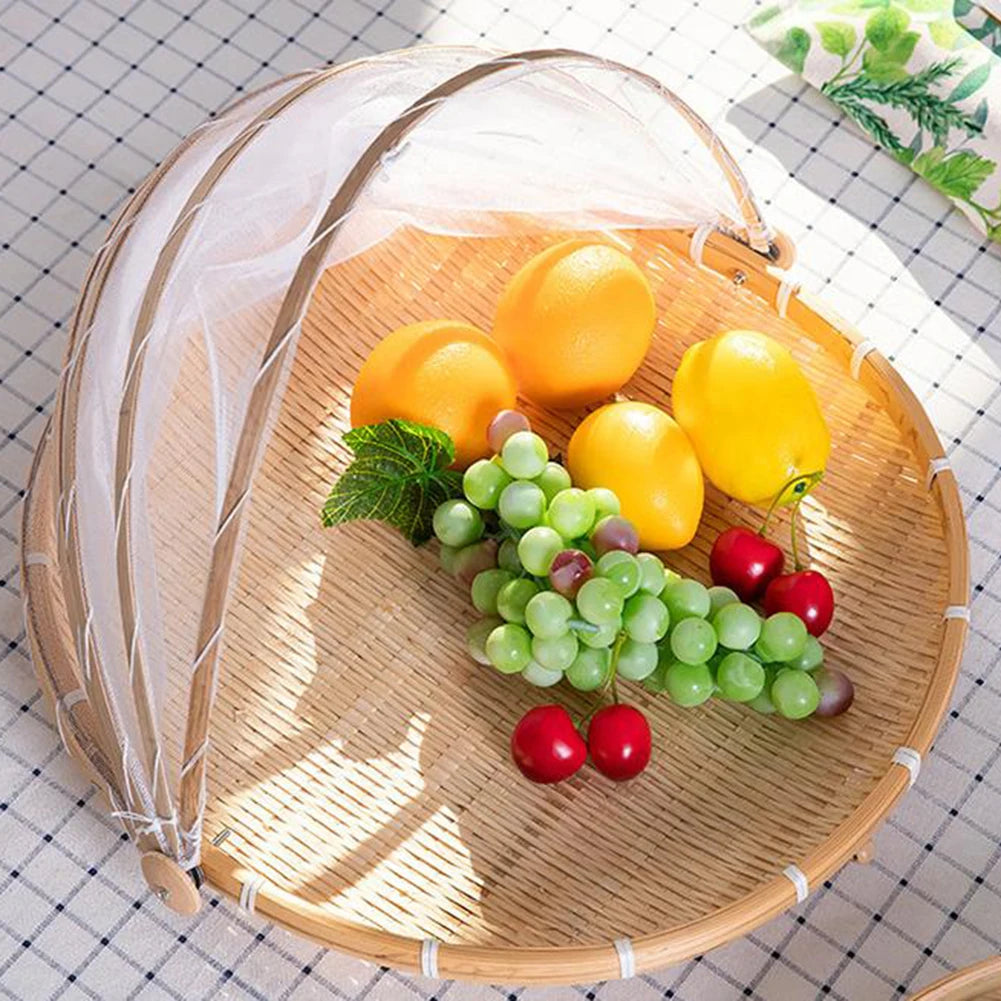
(981, 982)
(359, 788)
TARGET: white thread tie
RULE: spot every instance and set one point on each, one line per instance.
(787, 290)
(936, 466)
(249, 891)
(429, 957)
(698, 244)
(797, 877)
(627, 958)
(911, 760)
(957, 612)
(37, 560)
(862, 349)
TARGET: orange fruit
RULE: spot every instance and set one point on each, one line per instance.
(441, 373)
(575, 323)
(641, 453)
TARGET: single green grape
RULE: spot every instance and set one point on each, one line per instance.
(600, 601)
(513, 597)
(685, 599)
(622, 568)
(783, 637)
(524, 455)
(556, 653)
(548, 614)
(645, 618)
(600, 636)
(542, 677)
(522, 504)
(656, 681)
(476, 638)
(457, 523)
(688, 684)
(537, 547)
(483, 482)
(552, 480)
(794, 693)
(636, 660)
(605, 502)
(486, 585)
(589, 669)
(762, 703)
(740, 678)
(447, 556)
(738, 626)
(720, 596)
(693, 641)
(811, 658)
(652, 577)
(571, 513)
(509, 648)
(507, 556)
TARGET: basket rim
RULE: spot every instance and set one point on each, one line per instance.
(598, 961)
(965, 984)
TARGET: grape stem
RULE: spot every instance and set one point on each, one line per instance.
(580, 626)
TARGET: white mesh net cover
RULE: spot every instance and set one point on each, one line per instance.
(196, 282)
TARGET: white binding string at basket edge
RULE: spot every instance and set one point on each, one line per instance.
(248, 892)
(936, 466)
(910, 759)
(698, 244)
(429, 957)
(787, 289)
(797, 877)
(627, 958)
(862, 349)
(957, 612)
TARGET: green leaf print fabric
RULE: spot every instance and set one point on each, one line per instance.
(921, 77)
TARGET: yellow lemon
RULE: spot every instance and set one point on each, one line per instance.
(638, 451)
(575, 323)
(752, 417)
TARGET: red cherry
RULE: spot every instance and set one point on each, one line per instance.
(744, 561)
(619, 741)
(546, 746)
(805, 593)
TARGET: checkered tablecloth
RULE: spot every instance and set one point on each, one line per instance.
(94, 92)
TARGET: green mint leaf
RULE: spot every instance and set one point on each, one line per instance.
(972, 82)
(956, 174)
(399, 475)
(884, 26)
(837, 37)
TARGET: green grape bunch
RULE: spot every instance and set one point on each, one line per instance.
(565, 594)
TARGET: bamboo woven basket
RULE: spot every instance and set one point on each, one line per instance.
(358, 788)
(980, 982)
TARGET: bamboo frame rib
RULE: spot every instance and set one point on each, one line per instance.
(58, 607)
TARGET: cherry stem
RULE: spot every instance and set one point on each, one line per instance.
(804, 482)
(793, 536)
(609, 684)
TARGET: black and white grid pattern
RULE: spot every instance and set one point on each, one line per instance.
(94, 92)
